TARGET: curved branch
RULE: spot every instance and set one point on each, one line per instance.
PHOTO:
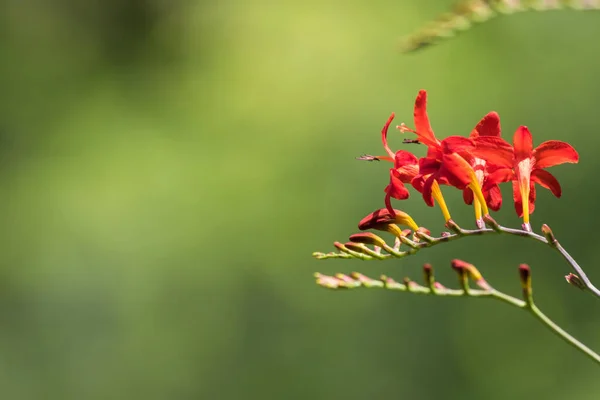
(341, 281)
(429, 241)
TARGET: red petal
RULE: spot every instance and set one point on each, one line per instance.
(532, 196)
(523, 143)
(546, 180)
(384, 133)
(488, 126)
(517, 199)
(396, 188)
(457, 144)
(493, 197)
(427, 194)
(418, 183)
(468, 196)
(554, 152)
(494, 150)
(428, 166)
(403, 158)
(456, 170)
(422, 126)
(499, 176)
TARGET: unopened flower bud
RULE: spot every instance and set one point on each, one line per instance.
(525, 276)
(326, 281)
(377, 218)
(549, 235)
(368, 238)
(463, 267)
(576, 281)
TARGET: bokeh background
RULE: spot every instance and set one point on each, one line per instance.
(168, 167)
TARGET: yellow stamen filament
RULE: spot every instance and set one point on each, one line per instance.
(437, 195)
(474, 186)
(477, 207)
(525, 200)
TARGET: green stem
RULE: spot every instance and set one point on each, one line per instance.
(527, 305)
(563, 334)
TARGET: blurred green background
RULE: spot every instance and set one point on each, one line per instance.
(168, 167)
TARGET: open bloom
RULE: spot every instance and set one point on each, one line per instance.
(448, 161)
(489, 126)
(524, 166)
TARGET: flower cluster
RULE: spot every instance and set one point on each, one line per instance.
(476, 164)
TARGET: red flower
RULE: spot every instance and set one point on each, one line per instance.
(448, 162)
(488, 126)
(524, 166)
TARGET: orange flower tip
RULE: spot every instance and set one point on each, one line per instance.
(368, 157)
(367, 238)
(525, 275)
(576, 281)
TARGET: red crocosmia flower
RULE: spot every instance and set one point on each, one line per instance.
(489, 126)
(404, 170)
(524, 165)
(448, 162)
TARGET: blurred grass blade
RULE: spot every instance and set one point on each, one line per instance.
(469, 12)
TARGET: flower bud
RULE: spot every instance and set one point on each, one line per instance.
(576, 281)
(377, 218)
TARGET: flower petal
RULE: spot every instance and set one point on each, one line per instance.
(523, 143)
(494, 150)
(546, 180)
(428, 165)
(456, 170)
(396, 188)
(554, 152)
(407, 164)
(384, 133)
(488, 126)
(493, 197)
(498, 176)
(468, 196)
(458, 144)
(418, 182)
(427, 191)
(422, 125)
